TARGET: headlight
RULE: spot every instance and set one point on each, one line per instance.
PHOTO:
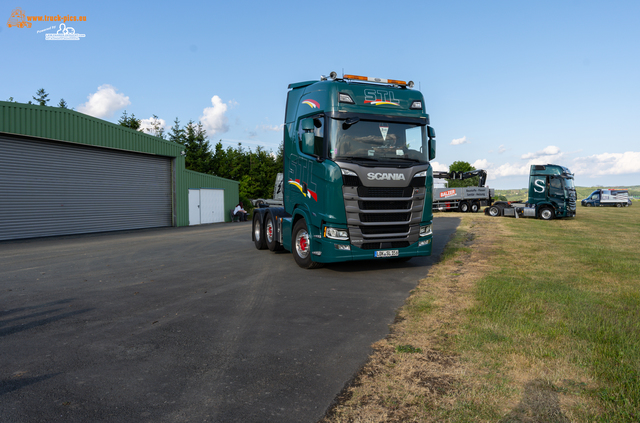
(425, 230)
(422, 174)
(348, 172)
(335, 233)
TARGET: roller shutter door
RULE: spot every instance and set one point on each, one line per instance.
(52, 188)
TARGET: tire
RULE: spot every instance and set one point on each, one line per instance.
(475, 207)
(258, 233)
(494, 211)
(463, 207)
(546, 213)
(269, 234)
(588, 205)
(618, 204)
(301, 246)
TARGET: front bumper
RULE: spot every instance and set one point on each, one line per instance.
(325, 251)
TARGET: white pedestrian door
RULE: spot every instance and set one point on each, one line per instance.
(194, 207)
(206, 206)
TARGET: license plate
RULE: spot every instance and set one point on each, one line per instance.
(386, 253)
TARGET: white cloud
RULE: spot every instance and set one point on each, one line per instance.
(104, 102)
(607, 164)
(501, 149)
(508, 169)
(439, 166)
(482, 164)
(550, 151)
(213, 118)
(459, 141)
(272, 128)
(147, 125)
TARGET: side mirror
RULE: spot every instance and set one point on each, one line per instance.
(431, 133)
(308, 141)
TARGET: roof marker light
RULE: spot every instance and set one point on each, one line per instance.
(379, 80)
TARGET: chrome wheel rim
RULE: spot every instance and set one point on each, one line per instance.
(269, 230)
(302, 244)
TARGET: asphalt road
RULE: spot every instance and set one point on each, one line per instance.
(186, 325)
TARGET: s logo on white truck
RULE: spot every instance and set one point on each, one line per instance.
(385, 176)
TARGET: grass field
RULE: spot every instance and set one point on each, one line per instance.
(522, 321)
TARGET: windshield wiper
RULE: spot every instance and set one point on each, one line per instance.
(403, 158)
(356, 158)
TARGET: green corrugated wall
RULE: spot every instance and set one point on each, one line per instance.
(67, 125)
(195, 180)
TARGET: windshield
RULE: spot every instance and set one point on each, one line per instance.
(363, 140)
(568, 183)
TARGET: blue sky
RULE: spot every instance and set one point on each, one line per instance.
(506, 83)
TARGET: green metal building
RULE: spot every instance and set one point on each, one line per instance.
(63, 172)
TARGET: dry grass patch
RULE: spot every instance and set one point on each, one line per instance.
(416, 371)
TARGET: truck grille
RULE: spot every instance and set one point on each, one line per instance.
(384, 205)
(384, 217)
(384, 192)
(382, 230)
(351, 181)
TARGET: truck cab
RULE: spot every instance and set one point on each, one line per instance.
(357, 174)
(552, 194)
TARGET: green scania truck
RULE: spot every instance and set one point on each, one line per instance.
(357, 182)
(552, 194)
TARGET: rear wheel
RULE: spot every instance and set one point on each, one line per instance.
(494, 211)
(258, 235)
(546, 213)
(464, 207)
(618, 204)
(475, 207)
(588, 204)
(269, 234)
(302, 246)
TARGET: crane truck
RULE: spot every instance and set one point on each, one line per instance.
(357, 180)
(462, 199)
(552, 194)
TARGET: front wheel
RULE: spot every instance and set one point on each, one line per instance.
(618, 204)
(546, 213)
(302, 246)
(258, 235)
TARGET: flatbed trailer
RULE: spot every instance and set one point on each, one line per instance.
(463, 199)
